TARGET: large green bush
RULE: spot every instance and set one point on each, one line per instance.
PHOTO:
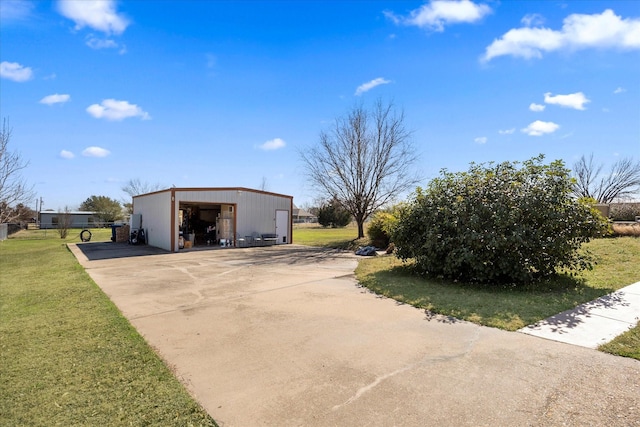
(497, 223)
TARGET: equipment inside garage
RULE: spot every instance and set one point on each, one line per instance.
(206, 224)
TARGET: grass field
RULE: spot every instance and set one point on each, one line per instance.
(316, 235)
(68, 356)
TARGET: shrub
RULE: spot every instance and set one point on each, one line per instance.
(497, 223)
(377, 229)
(625, 229)
(332, 214)
(380, 227)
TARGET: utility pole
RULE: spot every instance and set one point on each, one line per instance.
(39, 212)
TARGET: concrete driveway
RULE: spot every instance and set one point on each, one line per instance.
(283, 336)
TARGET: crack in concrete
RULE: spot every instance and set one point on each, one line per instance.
(424, 361)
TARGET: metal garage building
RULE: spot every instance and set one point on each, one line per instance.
(212, 217)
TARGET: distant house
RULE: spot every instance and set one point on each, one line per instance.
(300, 215)
(78, 219)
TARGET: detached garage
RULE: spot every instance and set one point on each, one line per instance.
(199, 217)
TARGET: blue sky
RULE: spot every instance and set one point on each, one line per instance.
(215, 93)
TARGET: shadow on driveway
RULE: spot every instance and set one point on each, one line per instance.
(259, 255)
(109, 250)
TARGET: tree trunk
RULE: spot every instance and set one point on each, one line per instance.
(360, 228)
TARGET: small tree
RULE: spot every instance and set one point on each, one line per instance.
(332, 214)
(363, 161)
(64, 222)
(621, 182)
(498, 223)
(105, 208)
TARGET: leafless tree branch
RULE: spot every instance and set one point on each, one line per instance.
(364, 161)
(13, 187)
(620, 183)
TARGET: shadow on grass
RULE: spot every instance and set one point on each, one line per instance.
(503, 306)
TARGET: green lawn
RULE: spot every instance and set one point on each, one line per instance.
(509, 308)
(627, 344)
(68, 356)
(316, 235)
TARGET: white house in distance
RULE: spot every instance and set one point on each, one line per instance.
(77, 219)
(212, 216)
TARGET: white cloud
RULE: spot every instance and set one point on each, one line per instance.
(507, 131)
(15, 10)
(532, 20)
(536, 107)
(365, 87)
(573, 100)
(539, 128)
(438, 13)
(101, 15)
(481, 140)
(579, 31)
(55, 99)
(96, 43)
(95, 152)
(115, 110)
(66, 154)
(14, 71)
(524, 42)
(273, 144)
(619, 90)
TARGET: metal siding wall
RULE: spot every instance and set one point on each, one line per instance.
(77, 220)
(45, 220)
(255, 212)
(80, 221)
(156, 218)
(209, 196)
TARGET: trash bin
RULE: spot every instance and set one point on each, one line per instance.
(113, 231)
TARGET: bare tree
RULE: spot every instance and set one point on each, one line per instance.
(134, 187)
(64, 222)
(621, 182)
(363, 161)
(13, 187)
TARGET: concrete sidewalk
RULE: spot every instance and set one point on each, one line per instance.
(593, 323)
